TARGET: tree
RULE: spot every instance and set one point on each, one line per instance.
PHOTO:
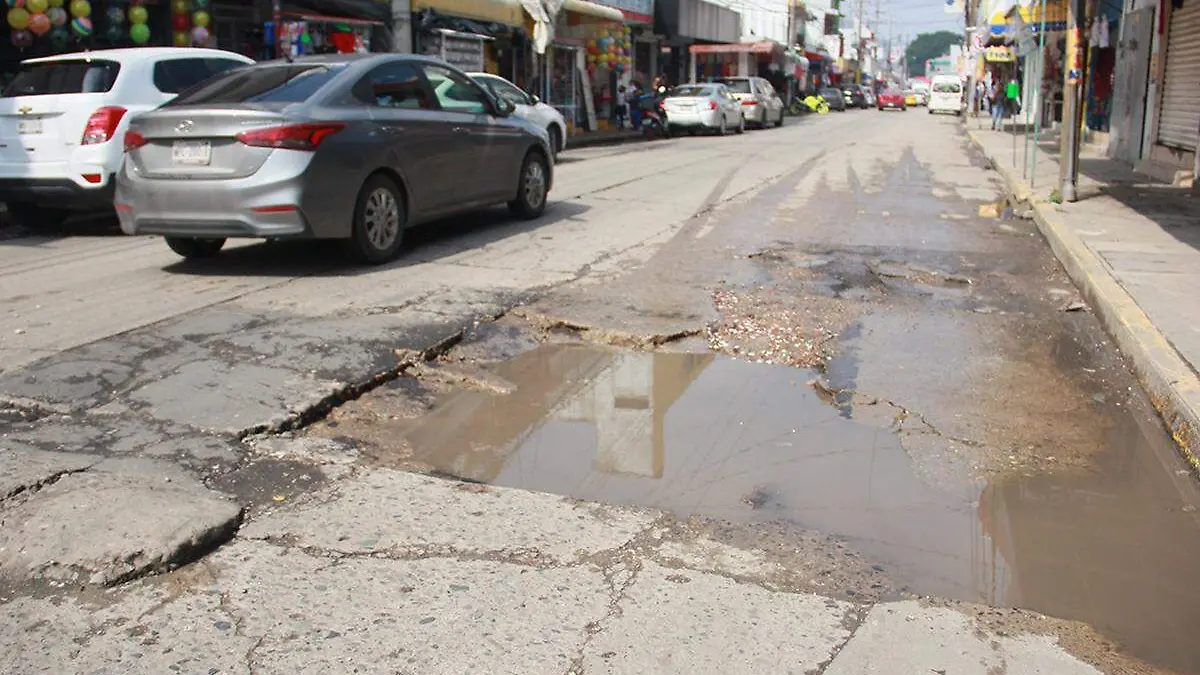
(928, 46)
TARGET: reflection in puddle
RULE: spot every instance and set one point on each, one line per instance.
(707, 435)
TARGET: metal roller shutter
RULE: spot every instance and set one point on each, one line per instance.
(1177, 127)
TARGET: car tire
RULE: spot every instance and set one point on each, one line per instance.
(722, 127)
(35, 218)
(741, 127)
(555, 141)
(532, 189)
(191, 248)
(377, 231)
(779, 123)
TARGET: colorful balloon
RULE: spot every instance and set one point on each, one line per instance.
(114, 34)
(82, 26)
(200, 36)
(58, 16)
(36, 6)
(182, 39)
(81, 9)
(22, 39)
(39, 24)
(59, 38)
(200, 5)
(201, 18)
(18, 18)
(138, 14)
(139, 33)
(57, 3)
(116, 16)
(180, 7)
(16, 3)
(181, 23)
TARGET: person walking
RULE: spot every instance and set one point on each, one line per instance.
(998, 106)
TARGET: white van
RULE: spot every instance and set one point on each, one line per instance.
(946, 94)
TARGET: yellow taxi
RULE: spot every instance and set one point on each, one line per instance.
(910, 98)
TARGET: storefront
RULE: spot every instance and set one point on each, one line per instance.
(1179, 115)
(765, 59)
(579, 72)
(477, 36)
(323, 26)
(692, 22)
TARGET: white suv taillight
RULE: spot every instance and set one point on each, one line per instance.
(102, 125)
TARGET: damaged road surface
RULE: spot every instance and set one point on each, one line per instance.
(797, 409)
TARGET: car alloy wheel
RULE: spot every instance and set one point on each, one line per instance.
(532, 187)
(379, 218)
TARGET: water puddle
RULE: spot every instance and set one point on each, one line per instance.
(752, 443)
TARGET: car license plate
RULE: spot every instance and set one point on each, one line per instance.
(28, 127)
(192, 153)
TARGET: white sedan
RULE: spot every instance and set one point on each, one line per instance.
(704, 106)
(528, 107)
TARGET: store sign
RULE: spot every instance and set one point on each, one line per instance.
(637, 10)
(999, 55)
(464, 53)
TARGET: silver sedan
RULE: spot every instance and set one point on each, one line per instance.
(709, 107)
(352, 147)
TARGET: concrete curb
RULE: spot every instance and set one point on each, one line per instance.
(582, 141)
(1172, 385)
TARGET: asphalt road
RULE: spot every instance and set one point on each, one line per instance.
(260, 421)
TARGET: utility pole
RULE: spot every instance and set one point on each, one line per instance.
(861, 42)
(875, 52)
(1073, 74)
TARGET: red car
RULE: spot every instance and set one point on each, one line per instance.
(892, 99)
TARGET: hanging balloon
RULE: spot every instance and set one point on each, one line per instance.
(116, 16)
(36, 6)
(180, 7)
(201, 18)
(200, 5)
(138, 14)
(59, 38)
(82, 26)
(22, 39)
(57, 3)
(18, 18)
(183, 39)
(200, 36)
(58, 16)
(180, 23)
(114, 34)
(81, 8)
(139, 33)
(16, 3)
(39, 24)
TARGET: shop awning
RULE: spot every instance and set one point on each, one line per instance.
(321, 18)
(799, 62)
(594, 10)
(507, 12)
(765, 47)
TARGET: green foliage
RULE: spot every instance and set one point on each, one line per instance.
(929, 46)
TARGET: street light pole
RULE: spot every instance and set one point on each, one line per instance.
(1068, 173)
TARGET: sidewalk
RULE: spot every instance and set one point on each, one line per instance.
(1131, 245)
(586, 139)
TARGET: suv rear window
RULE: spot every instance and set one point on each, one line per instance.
(175, 75)
(294, 83)
(63, 77)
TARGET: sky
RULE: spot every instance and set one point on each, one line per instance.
(908, 18)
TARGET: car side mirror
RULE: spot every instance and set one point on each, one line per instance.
(505, 107)
(535, 99)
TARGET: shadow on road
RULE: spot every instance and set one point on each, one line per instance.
(90, 225)
(425, 243)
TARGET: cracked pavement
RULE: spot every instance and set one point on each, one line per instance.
(274, 462)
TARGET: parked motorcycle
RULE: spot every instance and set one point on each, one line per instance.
(654, 116)
(817, 104)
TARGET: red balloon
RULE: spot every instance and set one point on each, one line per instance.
(181, 22)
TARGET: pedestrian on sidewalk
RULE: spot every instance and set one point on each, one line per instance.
(622, 107)
(997, 100)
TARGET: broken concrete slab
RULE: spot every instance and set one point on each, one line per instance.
(386, 511)
(909, 637)
(432, 616)
(704, 623)
(23, 467)
(104, 526)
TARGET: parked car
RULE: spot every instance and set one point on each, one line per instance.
(356, 147)
(891, 99)
(62, 118)
(835, 99)
(761, 105)
(529, 107)
(854, 96)
(709, 107)
(947, 95)
(910, 98)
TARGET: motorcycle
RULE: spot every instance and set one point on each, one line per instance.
(817, 104)
(654, 116)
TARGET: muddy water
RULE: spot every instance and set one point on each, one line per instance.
(752, 443)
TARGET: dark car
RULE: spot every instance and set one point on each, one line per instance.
(892, 99)
(834, 98)
(854, 96)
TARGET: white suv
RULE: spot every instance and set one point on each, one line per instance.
(63, 118)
